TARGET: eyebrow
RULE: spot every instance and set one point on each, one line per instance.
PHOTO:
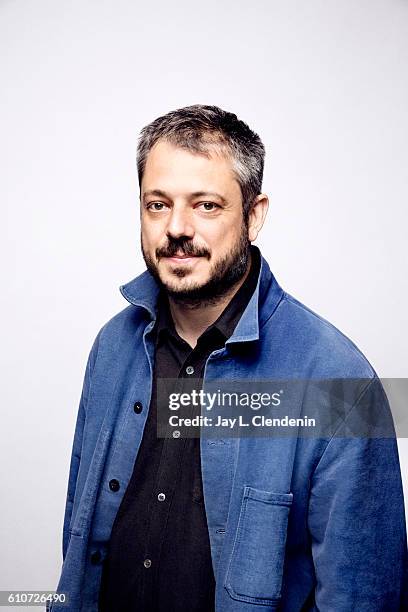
(194, 194)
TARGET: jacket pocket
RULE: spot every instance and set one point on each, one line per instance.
(255, 570)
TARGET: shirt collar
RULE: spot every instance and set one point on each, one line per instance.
(231, 314)
(143, 291)
(224, 326)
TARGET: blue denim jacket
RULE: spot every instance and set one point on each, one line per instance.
(294, 523)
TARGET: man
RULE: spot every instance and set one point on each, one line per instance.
(221, 523)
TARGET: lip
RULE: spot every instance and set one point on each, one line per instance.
(181, 259)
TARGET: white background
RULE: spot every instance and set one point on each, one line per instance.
(325, 84)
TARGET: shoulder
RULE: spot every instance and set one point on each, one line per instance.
(128, 318)
(323, 348)
(118, 330)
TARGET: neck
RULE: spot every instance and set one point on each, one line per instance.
(190, 323)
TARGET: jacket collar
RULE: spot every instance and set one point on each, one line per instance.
(143, 291)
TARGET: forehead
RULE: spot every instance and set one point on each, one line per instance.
(171, 167)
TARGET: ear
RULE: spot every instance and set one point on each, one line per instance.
(257, 216)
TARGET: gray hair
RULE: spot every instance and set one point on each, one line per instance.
(198, 128)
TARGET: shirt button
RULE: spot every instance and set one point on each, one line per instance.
(147, 563)
(176, 434)
(96, 557)
(138, 407)
(114, 485)
(190, 370)
(161, 497)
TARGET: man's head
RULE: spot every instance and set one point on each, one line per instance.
(200, 175)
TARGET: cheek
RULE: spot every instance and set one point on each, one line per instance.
(222, 236)
(151, 235)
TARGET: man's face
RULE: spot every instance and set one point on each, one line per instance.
(194, 239)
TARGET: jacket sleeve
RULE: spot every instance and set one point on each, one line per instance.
(356, 519)
(77, 445)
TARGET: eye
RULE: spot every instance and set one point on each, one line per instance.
(209, 206)
(156, 206)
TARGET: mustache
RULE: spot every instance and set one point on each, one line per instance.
(186, 246)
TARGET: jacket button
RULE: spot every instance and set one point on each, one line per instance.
(138, 407)
(114, 485)
(96, 557)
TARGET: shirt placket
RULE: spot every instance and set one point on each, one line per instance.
(164, 490)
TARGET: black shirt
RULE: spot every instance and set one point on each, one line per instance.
(159, 556)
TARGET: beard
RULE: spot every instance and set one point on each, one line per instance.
(224, 274)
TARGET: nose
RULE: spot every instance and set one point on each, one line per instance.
(180, 223)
